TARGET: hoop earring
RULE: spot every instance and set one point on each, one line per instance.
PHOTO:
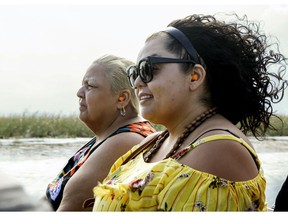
(123, 111)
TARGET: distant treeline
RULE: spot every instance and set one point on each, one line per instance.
(48, 125)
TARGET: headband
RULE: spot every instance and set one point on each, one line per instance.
(184, 41)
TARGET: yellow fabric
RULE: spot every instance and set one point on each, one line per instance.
(168, 185)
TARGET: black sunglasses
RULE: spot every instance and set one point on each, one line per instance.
(145, 68)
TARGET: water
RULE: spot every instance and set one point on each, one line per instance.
(35, 162)
(273, 154)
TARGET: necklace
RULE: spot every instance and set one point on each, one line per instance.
(189, 129)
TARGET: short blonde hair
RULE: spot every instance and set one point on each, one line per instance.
(115, 68)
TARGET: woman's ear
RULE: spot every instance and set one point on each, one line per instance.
(198, 75)
(124, 98)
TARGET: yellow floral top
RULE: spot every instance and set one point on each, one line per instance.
(168, 185)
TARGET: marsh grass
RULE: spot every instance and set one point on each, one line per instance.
(42, 125)
(281, 128)
(56, 125)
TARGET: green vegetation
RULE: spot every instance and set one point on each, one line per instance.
(42, 125)
(47, 125)
(281, 128)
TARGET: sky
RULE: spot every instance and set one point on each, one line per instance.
(45, 49)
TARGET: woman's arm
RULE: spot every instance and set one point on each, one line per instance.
(95, 169)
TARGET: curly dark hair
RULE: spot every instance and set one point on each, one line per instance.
(240, 80)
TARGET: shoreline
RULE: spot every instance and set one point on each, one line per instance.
(52, 140)
(40, 141)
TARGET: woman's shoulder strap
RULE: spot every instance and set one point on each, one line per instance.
(143, 128)
(199, 141)
(143, 147)
(231, 136)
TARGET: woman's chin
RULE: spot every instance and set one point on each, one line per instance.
(82, 116)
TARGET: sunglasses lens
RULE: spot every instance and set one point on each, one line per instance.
(145, 71)
(132, 75)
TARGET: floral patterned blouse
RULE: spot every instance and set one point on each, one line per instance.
(168, 185)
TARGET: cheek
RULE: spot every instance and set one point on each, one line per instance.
(174, 94)
(168, 89)
(91, 100)
(102, 102)
(173, 89)
(169, 86)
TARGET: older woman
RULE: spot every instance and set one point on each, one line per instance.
(200, 78)
(108, 106)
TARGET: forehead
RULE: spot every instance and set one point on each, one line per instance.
(155, 46)
(95, 72)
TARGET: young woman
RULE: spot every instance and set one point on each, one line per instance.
(201, 78)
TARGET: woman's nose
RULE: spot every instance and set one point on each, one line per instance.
(138, 82)
(80, 92)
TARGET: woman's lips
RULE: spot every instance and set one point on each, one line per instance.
(82, 107)
(144, 97)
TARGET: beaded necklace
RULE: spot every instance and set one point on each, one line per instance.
(189, 129)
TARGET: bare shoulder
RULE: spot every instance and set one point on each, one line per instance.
(126, 139)
(228, 159)
(101, 160)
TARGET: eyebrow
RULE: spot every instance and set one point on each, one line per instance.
(86, 80)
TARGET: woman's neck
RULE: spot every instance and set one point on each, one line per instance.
(120, 121)
(177, 127)
(175, 141)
